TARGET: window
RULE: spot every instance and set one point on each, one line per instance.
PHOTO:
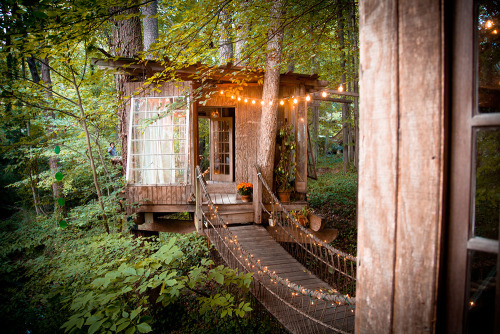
(473, 234)
(158, 141)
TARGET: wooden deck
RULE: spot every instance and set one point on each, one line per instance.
(256, 240)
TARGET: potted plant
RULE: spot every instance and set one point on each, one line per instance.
(301, 216)
(245, 190)
(285, 169)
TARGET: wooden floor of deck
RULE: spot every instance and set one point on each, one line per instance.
(256, 240)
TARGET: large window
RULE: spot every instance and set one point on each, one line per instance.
(158, 141)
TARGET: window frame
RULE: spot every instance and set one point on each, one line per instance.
(465, 121)
(131, 140)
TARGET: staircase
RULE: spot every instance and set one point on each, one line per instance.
(233, 211)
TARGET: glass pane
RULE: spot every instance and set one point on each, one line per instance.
(482, 288)
(487, 198)
(488, 25)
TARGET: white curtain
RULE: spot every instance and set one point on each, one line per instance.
(158, 151)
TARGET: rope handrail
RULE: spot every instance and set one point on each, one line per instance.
(314, 252)
(334, 297)
(302, 228)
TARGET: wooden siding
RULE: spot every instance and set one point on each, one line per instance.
(401, 165)
(160, 195)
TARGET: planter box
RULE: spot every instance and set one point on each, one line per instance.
(316, 222)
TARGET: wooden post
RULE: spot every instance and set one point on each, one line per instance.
(257, 197)
(198, 220)
(401, 166)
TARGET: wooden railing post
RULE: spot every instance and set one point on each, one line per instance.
(198, 217)
(257, 196)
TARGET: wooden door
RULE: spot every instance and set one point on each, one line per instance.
(221, 149)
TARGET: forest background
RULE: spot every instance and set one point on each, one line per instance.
(66, 262)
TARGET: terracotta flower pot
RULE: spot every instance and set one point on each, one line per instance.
(246, 198)
(284, 196)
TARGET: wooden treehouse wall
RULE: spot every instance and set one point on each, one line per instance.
(170, 198)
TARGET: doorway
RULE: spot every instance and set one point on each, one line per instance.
(216, 143)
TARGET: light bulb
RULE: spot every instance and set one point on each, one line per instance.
(308, 98)
(341, 88)
(253, 101)
(221, 92)
(270, 103)
(323, 94)
(246, 100)
(262, 102)
(489, 24)
(239, 98)
(282, 102)
(295, 101)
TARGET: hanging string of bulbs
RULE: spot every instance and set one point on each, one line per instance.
(293, 99)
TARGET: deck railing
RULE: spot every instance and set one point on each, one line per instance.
(335, 267)
(299, 309)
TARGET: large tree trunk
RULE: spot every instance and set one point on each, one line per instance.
(127, 42)
(269, 120)
(150, 26)
(225, 42)
(243, 29)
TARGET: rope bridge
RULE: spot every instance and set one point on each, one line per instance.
(302, 306)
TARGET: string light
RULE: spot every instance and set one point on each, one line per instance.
(246, 100)
(324, 94)
(295, 101)
(308, 98)
(282, 102)
(239, 98)
(489, 24)
(253, 101)
(262, 102)
(221, 92)
(341, 89)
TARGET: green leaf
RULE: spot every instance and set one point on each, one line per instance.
(131, 330)
(219, 278)
(95, 326)
(144, 328)
(135, 312)
(123, 326)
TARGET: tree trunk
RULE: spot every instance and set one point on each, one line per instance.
(315, 129)
(243, 29)
(150, 26)
(126, 42)
(53, 160)
(83, 121)
(225, 42)
(269, 120)
(345, 107)
(34, 185)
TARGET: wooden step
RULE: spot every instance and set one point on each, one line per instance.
(235, 213)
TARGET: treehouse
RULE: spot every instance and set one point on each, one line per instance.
(175, 125)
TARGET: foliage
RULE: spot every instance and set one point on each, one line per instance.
(334, 196)
(245, 188)
(284, 172)
(87, 280)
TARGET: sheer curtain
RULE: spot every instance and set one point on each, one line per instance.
(157, 150)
